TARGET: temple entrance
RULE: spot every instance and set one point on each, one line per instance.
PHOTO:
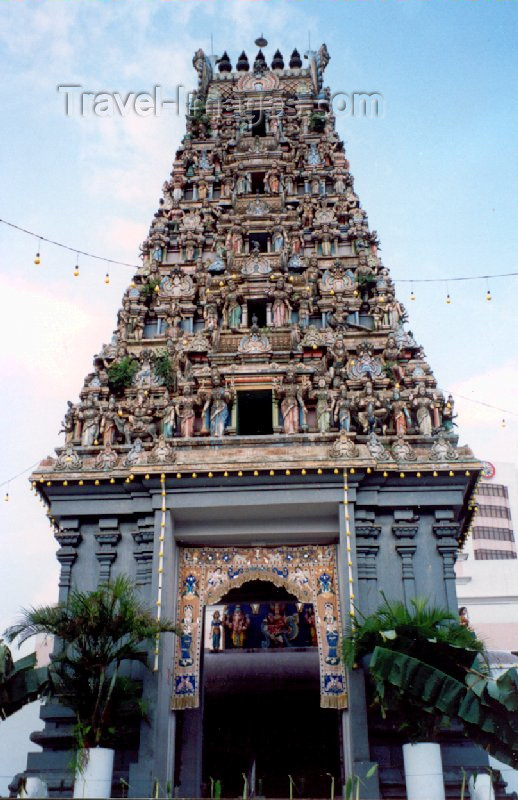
(262, 720)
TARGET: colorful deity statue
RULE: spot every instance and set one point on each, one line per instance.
(216, 626)
(238, 625)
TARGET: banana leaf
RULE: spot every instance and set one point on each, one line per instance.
(487, 708)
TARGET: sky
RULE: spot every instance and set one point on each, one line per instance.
(437, 174)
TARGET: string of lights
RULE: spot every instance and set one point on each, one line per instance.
(76, 250)
(41, 238)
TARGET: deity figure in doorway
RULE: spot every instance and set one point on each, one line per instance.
(215, 631)
(238, 625)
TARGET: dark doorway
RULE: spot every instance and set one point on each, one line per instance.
(262, 240)
(258, 123)
(254, 413)
(262, 718)
(257, 182)
(257, 308)
(274, 733)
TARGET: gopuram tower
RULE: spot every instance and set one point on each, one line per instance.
(263, 448)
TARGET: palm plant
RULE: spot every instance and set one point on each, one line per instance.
(96, 632)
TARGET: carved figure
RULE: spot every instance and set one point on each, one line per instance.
(423, 405)
(215, 411)
(186, 413)
(162, 452)
(281, 308)
(400, 413)
(69, 422)
(292, 403)
(107, 458)
(136, 454)
(342, 410)
(324, 405)
(232, 309)
(442, 449)
(89, 416)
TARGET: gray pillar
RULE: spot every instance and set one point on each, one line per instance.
(406, 554)
(107, 540)
(157, 739)
(405, 528)
(447, 532)
(364, 549)
(68, 538)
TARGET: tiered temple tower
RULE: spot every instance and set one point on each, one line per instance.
(262, 438)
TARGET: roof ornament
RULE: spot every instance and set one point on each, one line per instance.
(278, 61)
(242, 64)
(203, 67)
(261, 41)
(318, 61)
(224, 64)
(260, 65)
(295, 60)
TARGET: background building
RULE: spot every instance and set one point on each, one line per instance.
(487, 568)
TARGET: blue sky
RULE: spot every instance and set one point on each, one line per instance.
(437, 176)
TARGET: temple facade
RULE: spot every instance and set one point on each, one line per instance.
(262, 446)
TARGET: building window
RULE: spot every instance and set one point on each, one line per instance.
(500, 512)
(497, 534)
(254, 413)
(494, 555)
(493, 490)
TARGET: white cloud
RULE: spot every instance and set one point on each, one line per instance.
(481, 425)
(51, 336)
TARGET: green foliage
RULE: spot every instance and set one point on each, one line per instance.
(121, 374)
(164, 369)
(21, 683)
(428, 634)
(149, 288)
(364, 280)
(97, 631)
(433, 633)
(199, 119)
(487, 708)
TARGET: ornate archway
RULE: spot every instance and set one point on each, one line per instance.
(207, 574)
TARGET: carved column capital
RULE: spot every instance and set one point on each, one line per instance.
(107, 539)
(143, 550)
(68, 537)
(446, 530)
(402, 531)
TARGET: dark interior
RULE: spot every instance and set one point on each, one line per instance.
(261, 238)
(266, 723)
(257, 308)
(258, 123)
(254, 413)
(258, 182)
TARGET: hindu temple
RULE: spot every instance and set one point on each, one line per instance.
(262, 446)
